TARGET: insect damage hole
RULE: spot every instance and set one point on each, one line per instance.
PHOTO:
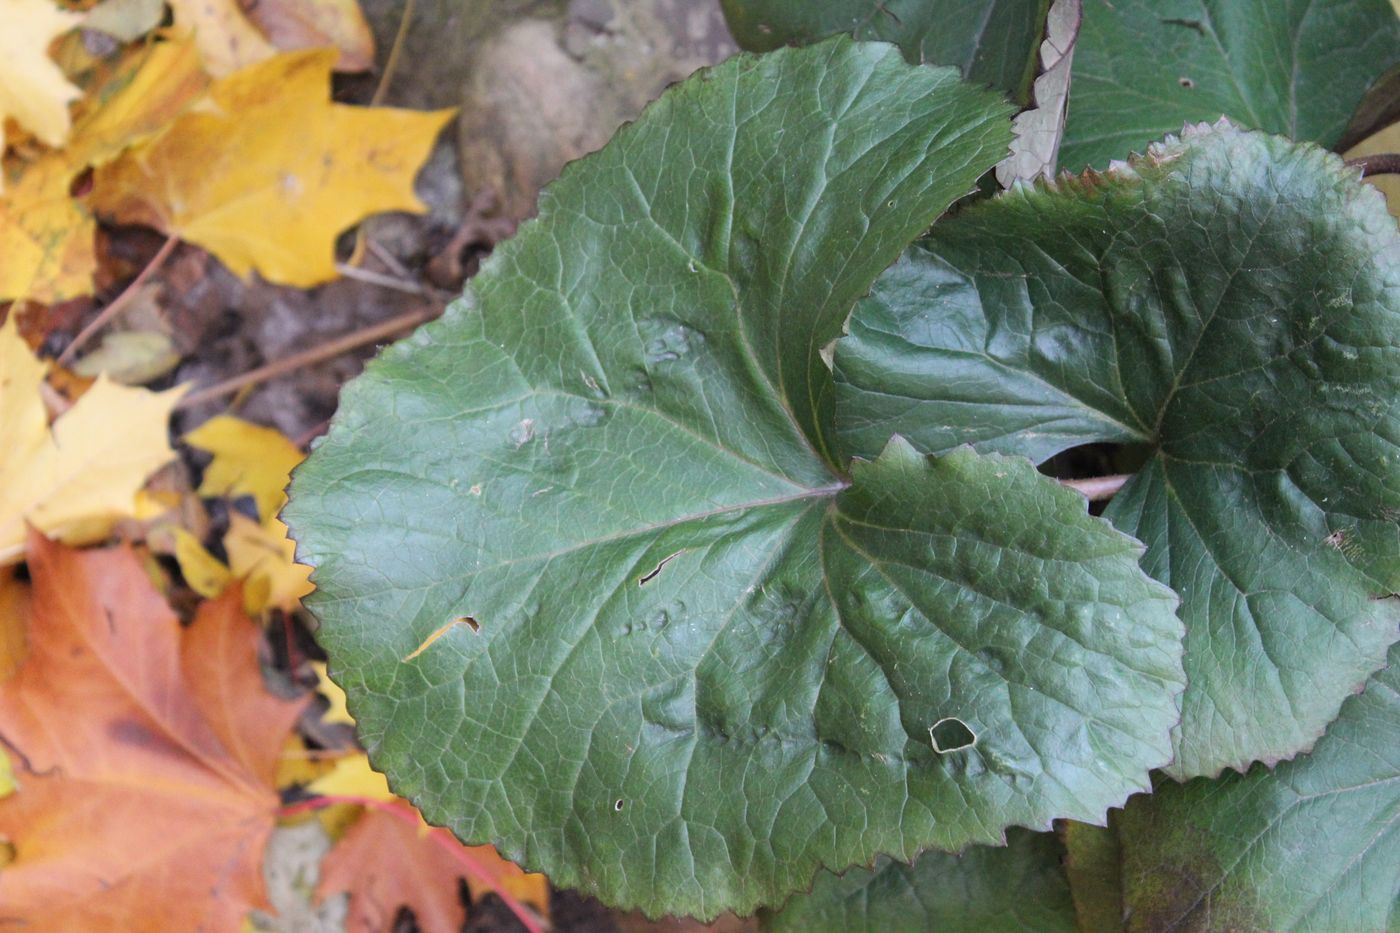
(617, 807)
(951, 735)
(656, 571)
(468, 621)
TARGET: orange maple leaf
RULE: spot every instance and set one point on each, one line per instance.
(146, 756)
(386, 861)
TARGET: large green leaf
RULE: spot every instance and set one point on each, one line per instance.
(1312, 845)
(1233, 302)
(1020, 887)
(1143, 68)
(597, 594)
(992, 42)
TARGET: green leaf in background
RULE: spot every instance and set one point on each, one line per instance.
(1232, 301)
(1311, 846)
(992, 42)
(1093, 865)
(599, 593)
(1020, 887)
(1143, 68)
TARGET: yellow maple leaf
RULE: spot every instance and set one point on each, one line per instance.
(249, 460)
(352, 776)
(261, 555)
(336, 711)
(204, 572)
(269, 171)
(264, 556)
(46, 236)
(73, 481)
(33, 91)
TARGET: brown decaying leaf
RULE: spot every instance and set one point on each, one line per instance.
(146, 756)
(309, 24)
(269, 170)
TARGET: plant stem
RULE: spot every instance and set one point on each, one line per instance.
(1382, 163)
(1098, 488)
(120, 302)
(326, 351)
(449, 844)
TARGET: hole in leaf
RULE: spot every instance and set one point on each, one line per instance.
(1186, 82)
(618, 806)
(657, 569)
(1088, 461)
(468, 621)
(951, 735)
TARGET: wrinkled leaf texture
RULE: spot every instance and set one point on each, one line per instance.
(599, 592)
(1232, 303)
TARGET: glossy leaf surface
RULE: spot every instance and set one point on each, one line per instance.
(1143, 68)
(991, 42)
(1232, 302)
(597, 589)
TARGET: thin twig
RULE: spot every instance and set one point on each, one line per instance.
(388, 258)
(391, 64)
(383, 281)
(440, 836)
(120, 302)
(1382, 163)
(1098, 488)
(326, 351)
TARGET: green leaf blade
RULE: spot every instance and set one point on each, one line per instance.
(991, 42)
(1230, 301)
(1309, 846)
(1144, 68)
(1019, 887)
(611, 457)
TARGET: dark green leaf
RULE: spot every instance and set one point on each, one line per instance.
(1312, 845)
(1145, 67)
(992, 42)
(1232, 301)
(1093, 867)
(1020, 887)
(705, 661)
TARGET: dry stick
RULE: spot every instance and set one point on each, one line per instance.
(384, 281)
(119, 303)
(1098, 488)
(1382, 163)
(392, 63)
(442, 837)
(315, 355)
